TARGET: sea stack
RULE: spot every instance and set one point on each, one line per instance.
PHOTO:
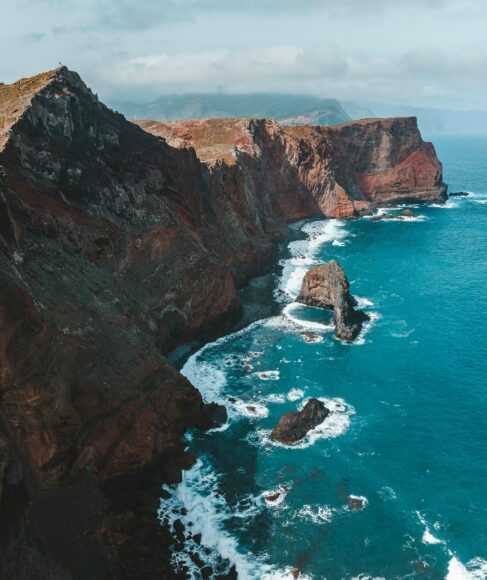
(294, 426)
(327, 287)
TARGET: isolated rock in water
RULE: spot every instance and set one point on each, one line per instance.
(405, 213)
(310, 337)
(294, 426)
(357, 502)
(458, 194)
(326, 286)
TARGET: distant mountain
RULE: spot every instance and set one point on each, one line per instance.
(356, 111)
(299, 110)
(437, 121)
(291, 109)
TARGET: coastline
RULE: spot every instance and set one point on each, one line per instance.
(178, 516)
(116, 247)
(200, 481)
(258, 297)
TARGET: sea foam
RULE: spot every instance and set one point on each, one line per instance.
(334, 425)
(475, 569)
(303, 254)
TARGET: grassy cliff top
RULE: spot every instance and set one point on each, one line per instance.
(212, 139)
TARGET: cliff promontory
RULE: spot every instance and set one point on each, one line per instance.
(345, 170)
(118, 244)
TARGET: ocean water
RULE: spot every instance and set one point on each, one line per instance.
(408, 428)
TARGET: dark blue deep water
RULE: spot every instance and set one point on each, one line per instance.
(408, 431)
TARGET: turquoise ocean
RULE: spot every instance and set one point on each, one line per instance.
(408, 429)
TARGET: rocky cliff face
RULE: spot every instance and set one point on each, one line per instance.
(387, 160)
(345, 170)
(115, 247)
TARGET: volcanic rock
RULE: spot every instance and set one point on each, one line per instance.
(310, 336)
(405, 213)
(117, 246)
(341, 171)
(293, 426)
(356, 503)
(327, 287)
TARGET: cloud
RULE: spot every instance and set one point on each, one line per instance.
(418, 75)
(129, 15)
(266, 69)
(34, 36)
(76, 29)
(388, 49)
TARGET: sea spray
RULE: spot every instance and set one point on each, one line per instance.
(389, 448)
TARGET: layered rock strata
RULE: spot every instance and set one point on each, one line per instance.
(347, 169)
(116, 247)
(327, 287)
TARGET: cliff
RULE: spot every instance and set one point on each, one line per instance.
(347, 169)
(117, 245)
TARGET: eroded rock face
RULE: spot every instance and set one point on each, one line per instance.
(346, 169)
(106, 261)
(294, 426)
(389, 162)
(116, 247)
(327, 287)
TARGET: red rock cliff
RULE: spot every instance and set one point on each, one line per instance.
(347, 169)
(115, 247)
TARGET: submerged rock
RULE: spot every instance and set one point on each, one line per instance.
(326, 286)
(405, 213)
(458, 194)
(357, 502)
(293, 426)
(311, 337)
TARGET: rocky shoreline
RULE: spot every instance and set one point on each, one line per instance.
(118, 245)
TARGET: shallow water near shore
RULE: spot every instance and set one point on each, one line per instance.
(408, 400)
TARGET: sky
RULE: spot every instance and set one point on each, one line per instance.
(410, 52)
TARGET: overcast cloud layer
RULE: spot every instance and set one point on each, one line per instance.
(428, 52)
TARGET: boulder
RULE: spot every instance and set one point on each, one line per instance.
(405, 213)
(458, 194)
(327, 287)
(356, 502)
(294, 426)
(272, 497)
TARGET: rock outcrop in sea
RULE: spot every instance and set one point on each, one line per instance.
(342, 171)
(295, 425)
(403, 214)
(116, 246)
(327, 287)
